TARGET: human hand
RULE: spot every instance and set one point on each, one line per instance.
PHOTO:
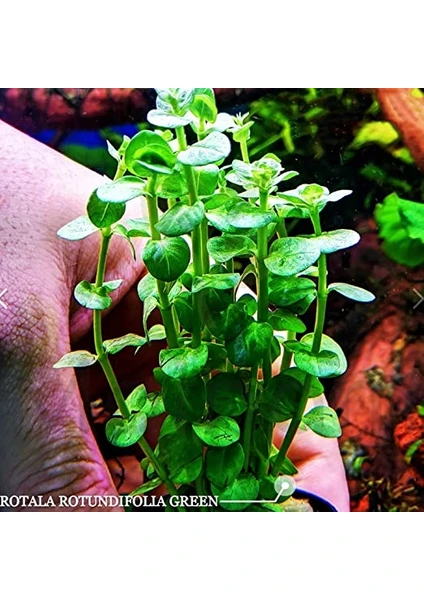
(46, 443)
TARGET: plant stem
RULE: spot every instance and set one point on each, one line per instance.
(104, 362)
(263, 282)
(287, 355)
(199, 241)
(165, 305)
(316, 345)
(248, 422)
(244, 151)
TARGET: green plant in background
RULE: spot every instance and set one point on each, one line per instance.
(221, 384)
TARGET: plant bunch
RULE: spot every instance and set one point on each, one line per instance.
(223, 381)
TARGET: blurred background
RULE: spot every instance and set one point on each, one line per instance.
(368, 140)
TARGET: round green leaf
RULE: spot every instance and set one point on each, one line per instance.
(171, 186)
(183, 363)
(137, 399)
(117, 344)
(181, 219)
(220, 432)
(324, 421)
(337, 240)
(154, 405)
(215, 147)
(181, 451)
(92, 297)
(223, 465)
(160, 118)
(124, 433)
(290, 256)
(184, 307)
(250, 346)
(148, 153)
(79, 358)
(226, 247)
(167, 259)
(229, 323)
(203, 105)
(328, 344)
(78, 229)
(226, 394)
(285, 291)
(280, 398)
(321, 364)
(239, 494)
(184, 398)
(282, 320)
(103, 214)
(147, 287)
(352, 291)
(122, 190)
(244, 215)
(316, 387)
(207, 179)
(220, 281)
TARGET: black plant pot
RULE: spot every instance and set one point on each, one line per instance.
(317, 503)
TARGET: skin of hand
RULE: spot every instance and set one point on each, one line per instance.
(46, 443)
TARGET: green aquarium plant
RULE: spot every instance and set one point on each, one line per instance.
(235, 363)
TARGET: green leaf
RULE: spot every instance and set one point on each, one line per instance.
(156, 333)
(226, 394)
(420, 410)
(251, 345)
(289, 256)
(324, 421)
(148, 154)
(328, 344)
(220, 199)
(352, 291)
(184, 307)
(224, 465)
(337, 240)
(117, 344)
(181, 219)
(171, 186)
(92, 297)
(244, 215)
(124, 433)
(217, 356)
(207, 179)
(411, 450)
(181, 451)
(223, 281)
(136, 228)
(160, 118)
(249, 303)
(111, 286)
(239, 494)
(183, 363)
(167, 259)
(78, 229)
(184, 398)
(103, 214)
(280, 398)
(412, 216)
(282, 319)
(215, 147)
(285, 291)
(149, 305)
(122, 190)
(324, 363)
(226, 247)
(220, 432)
(203, 105)
(147, 287)
(154, 405)
(137, 399)
(395, 218)
(316, 387)
(79, 358)
(229, 323)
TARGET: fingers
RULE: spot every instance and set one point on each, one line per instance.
(318, 460)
